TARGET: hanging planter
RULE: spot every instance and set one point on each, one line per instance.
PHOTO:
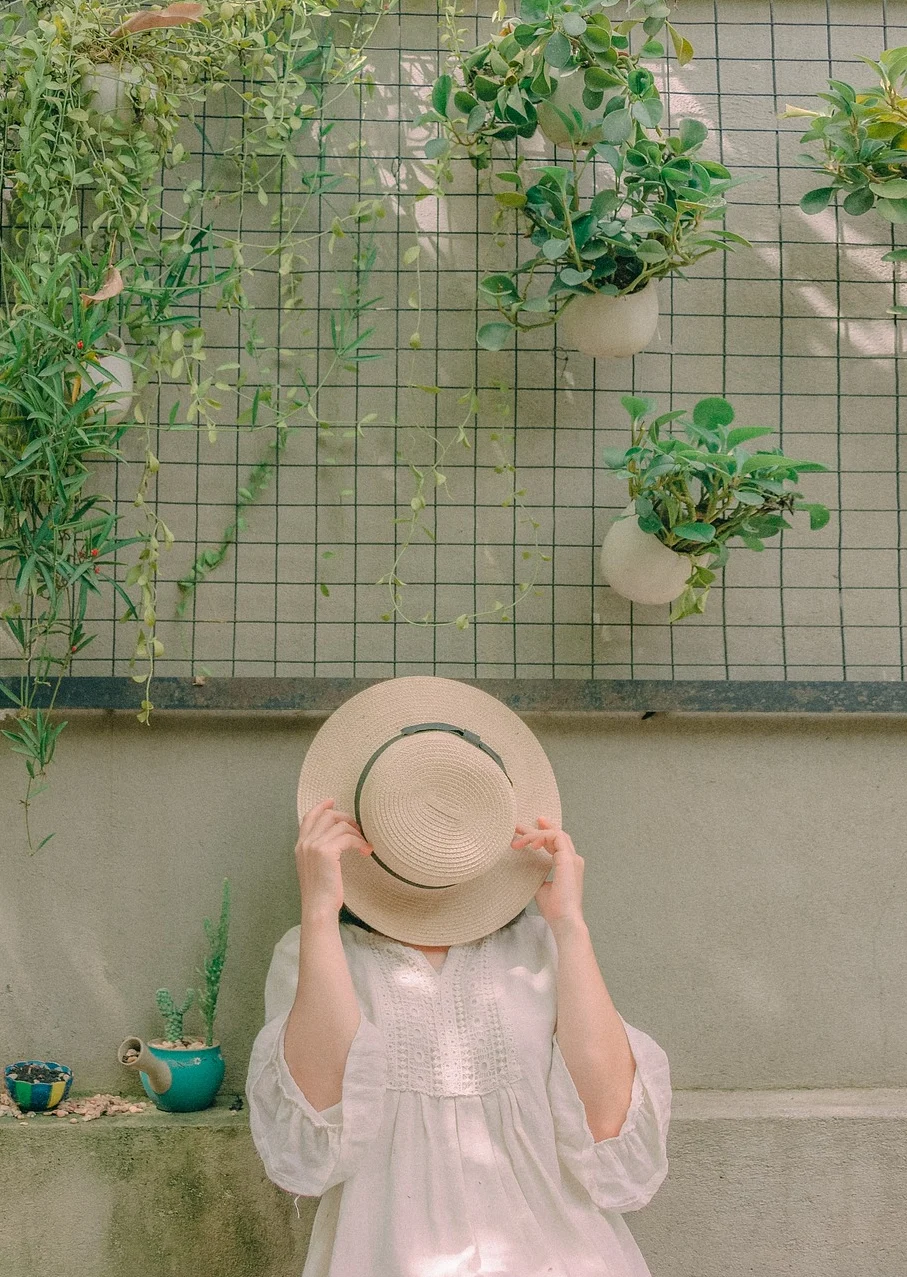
(567, 100)
(606, 326)
(110, 89)
(691, 494)
(639, 567)
(656, 209)
(37, 1086)
(112, 374)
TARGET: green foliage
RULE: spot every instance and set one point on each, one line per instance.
(213, 966)
(656, 201)
(698, 490)
(84, 262)
(862, 140)
(655, 218)
(173, 1015)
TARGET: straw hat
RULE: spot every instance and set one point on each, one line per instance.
(438, 774)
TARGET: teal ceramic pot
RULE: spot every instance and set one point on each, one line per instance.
(38, 1096)
(195, 1078)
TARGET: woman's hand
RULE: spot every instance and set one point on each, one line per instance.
(323, 836)
(560, 900)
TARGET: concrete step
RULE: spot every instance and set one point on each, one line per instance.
(768, 1184)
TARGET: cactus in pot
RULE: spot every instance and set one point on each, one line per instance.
(690, 495)
(183, 1074)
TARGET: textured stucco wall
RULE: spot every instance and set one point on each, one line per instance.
(746, 880)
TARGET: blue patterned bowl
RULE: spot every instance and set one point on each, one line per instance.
(38, 1097)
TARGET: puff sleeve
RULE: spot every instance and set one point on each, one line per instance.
(621, 1173)
(303, 1150)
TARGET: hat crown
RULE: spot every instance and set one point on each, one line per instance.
(437, 809)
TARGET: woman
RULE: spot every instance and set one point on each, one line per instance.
(451, 1077)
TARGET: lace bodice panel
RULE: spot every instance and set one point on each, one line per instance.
(446, 1031)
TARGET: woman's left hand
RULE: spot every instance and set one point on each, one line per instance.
(560, 899)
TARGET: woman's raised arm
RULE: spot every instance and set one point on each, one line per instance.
(325, 1015)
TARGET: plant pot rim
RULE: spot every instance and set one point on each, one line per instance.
(42, 1064)
(158, 1045)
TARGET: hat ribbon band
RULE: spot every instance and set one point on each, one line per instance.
(413, 730)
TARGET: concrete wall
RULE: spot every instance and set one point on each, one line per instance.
(746, 881)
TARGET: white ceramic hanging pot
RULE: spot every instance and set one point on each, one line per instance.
(110, 87)
(639, 567)
(112, 373)
(567, 97)
(608, 327)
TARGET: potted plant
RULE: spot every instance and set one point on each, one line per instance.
(862, 141)
(115, 87)
(180, 1072)
(596, 256)
(690, 495)
(37, 1086)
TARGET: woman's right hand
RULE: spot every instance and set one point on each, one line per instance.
(323, 836)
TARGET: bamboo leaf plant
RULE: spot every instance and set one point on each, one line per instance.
(95, 99)
(632, 203)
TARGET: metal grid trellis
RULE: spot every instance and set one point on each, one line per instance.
(794, 332)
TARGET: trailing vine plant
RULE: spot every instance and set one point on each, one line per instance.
(93, 97)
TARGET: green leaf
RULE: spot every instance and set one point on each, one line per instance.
(636, 406)
(896, 255)
(894, 211)
(435, 147)
(440, 94)
(860, 201)
(485, 90)
(511, 199)
(742, 433)
(682, 47)
(894, 189)
(614, 458)
(464, 101)
(573, 278)
(557, 51)
(597, 39)
(555, 248)
(651, 251)
(648, 112)
(617, 126)
(494, 336)
(703, 532)
(819, 515)
(692, 134)
(574, 24)
(712, 412)
(818, 200)
(498, 285)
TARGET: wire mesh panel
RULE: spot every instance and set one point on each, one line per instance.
(476, 477)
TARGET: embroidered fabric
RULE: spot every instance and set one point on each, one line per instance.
(444, 1031)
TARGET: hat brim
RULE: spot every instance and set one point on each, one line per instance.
(344, 744)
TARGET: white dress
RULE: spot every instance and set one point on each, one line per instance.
(460, 1145)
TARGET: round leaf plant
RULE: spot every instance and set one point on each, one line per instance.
(698, 490)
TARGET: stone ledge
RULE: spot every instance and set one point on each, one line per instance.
(788, 1183)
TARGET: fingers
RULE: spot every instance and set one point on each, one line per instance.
(322, 817)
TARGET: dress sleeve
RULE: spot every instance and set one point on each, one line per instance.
(621, 1173)
(303, 1150)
